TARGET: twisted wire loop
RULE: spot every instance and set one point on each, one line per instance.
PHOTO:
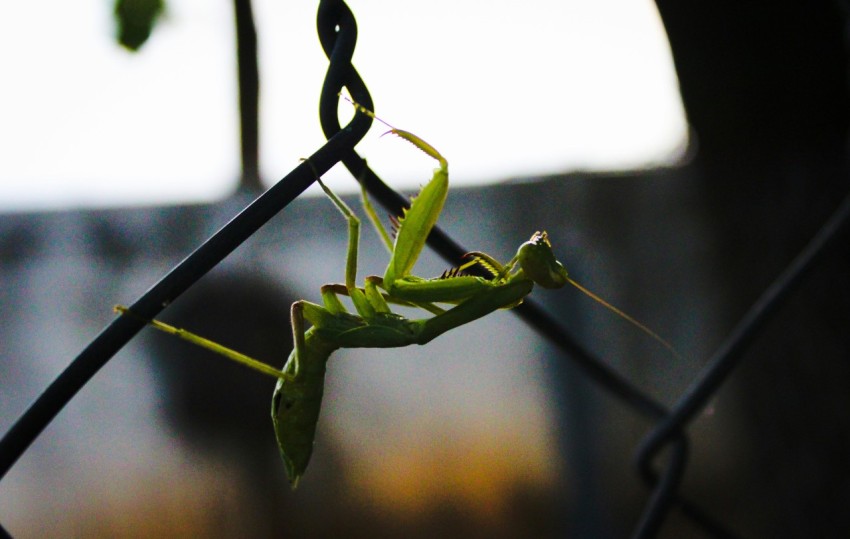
(337, 31)
(185, 274)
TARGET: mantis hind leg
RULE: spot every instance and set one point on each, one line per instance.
(212, 346)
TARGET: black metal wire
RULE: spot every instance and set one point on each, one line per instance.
(207, 256)
(731, 351)
(665, 492)
(178, 280)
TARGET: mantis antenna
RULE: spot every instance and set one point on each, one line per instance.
(625, 316)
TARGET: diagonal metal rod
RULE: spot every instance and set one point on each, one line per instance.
(745, 332)
(120, 331)
(207, 256)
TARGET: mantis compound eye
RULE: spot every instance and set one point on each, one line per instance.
(538, 262)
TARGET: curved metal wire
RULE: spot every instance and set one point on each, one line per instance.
(665, 492)
(731, 351)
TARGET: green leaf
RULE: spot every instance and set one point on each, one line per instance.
(135, 20)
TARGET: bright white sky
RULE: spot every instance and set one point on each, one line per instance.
(502, 89)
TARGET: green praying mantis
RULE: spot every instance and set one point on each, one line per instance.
(297, 397)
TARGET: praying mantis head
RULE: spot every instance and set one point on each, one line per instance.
(538, 262)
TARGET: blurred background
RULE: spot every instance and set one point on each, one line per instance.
(679, 155)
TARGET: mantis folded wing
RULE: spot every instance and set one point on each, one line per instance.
(297, 397)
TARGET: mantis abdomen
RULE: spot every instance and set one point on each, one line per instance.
(297, 401)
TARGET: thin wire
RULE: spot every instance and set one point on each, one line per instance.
(745, 332)
(664, 494)
(731, 351)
